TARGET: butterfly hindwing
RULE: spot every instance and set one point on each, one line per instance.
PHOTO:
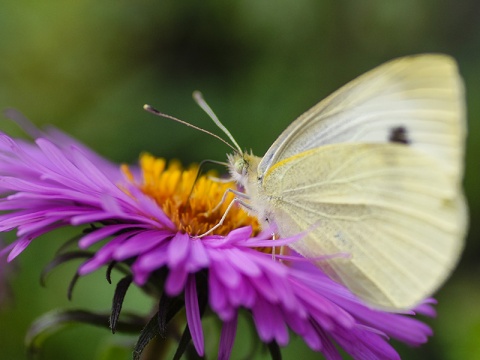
(396, 224)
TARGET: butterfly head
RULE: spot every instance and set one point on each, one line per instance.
(242, 166)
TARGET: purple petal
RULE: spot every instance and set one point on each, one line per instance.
(328, 348)
(23, 122)
(242, 262)
(100, 234)
(199, 258)
(20, 245)
(92, 217)
(227, 338)
(148, 262)
(150, 207)
(265, 289)
(238, 234)
(102, 256)
(176, 281)
(225, 272)
(263, 318)
(193, 315)
(178, 249)
(141, 242)
(426, 308)
(217, 295)
(93, 173)
(7, 249)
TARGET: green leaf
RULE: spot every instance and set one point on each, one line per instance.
(55, 321)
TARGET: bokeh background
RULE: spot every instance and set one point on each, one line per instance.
(88, 66)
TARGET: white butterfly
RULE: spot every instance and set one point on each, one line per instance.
(373, 171)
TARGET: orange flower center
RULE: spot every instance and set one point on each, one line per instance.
(190, 204)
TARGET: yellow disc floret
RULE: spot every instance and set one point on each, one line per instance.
(190, 202)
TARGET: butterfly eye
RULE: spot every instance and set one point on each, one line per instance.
(241, 166)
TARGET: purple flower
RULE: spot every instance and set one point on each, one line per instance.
(148, 217)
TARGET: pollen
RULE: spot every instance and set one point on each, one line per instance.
(191, 202)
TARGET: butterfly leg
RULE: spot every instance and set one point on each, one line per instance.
(237, 193)
(235, 200)
(274, 250)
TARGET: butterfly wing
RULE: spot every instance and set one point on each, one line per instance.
(415, 99)
(374, 171)
(390, 210)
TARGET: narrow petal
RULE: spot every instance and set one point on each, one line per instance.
(176, 281)
(199, 256)
(100, 234)
(178, 249)
(242, 262)
(102, 256)
(193, 315)
(226, 273)
(141, 241)
(20, 245)
(227, 338)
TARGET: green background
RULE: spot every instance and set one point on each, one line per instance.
(88, 67)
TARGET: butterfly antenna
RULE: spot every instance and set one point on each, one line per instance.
(154, 111)
(198, 97)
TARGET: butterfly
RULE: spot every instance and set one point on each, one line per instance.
(373, 171)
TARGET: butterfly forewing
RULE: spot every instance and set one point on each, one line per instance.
(416, 100)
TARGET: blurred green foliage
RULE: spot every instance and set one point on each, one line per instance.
(88, 66)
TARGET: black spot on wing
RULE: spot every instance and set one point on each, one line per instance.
(399, 134)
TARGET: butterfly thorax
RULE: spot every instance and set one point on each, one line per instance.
(243, 169)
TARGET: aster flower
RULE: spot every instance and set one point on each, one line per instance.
(147, 217)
